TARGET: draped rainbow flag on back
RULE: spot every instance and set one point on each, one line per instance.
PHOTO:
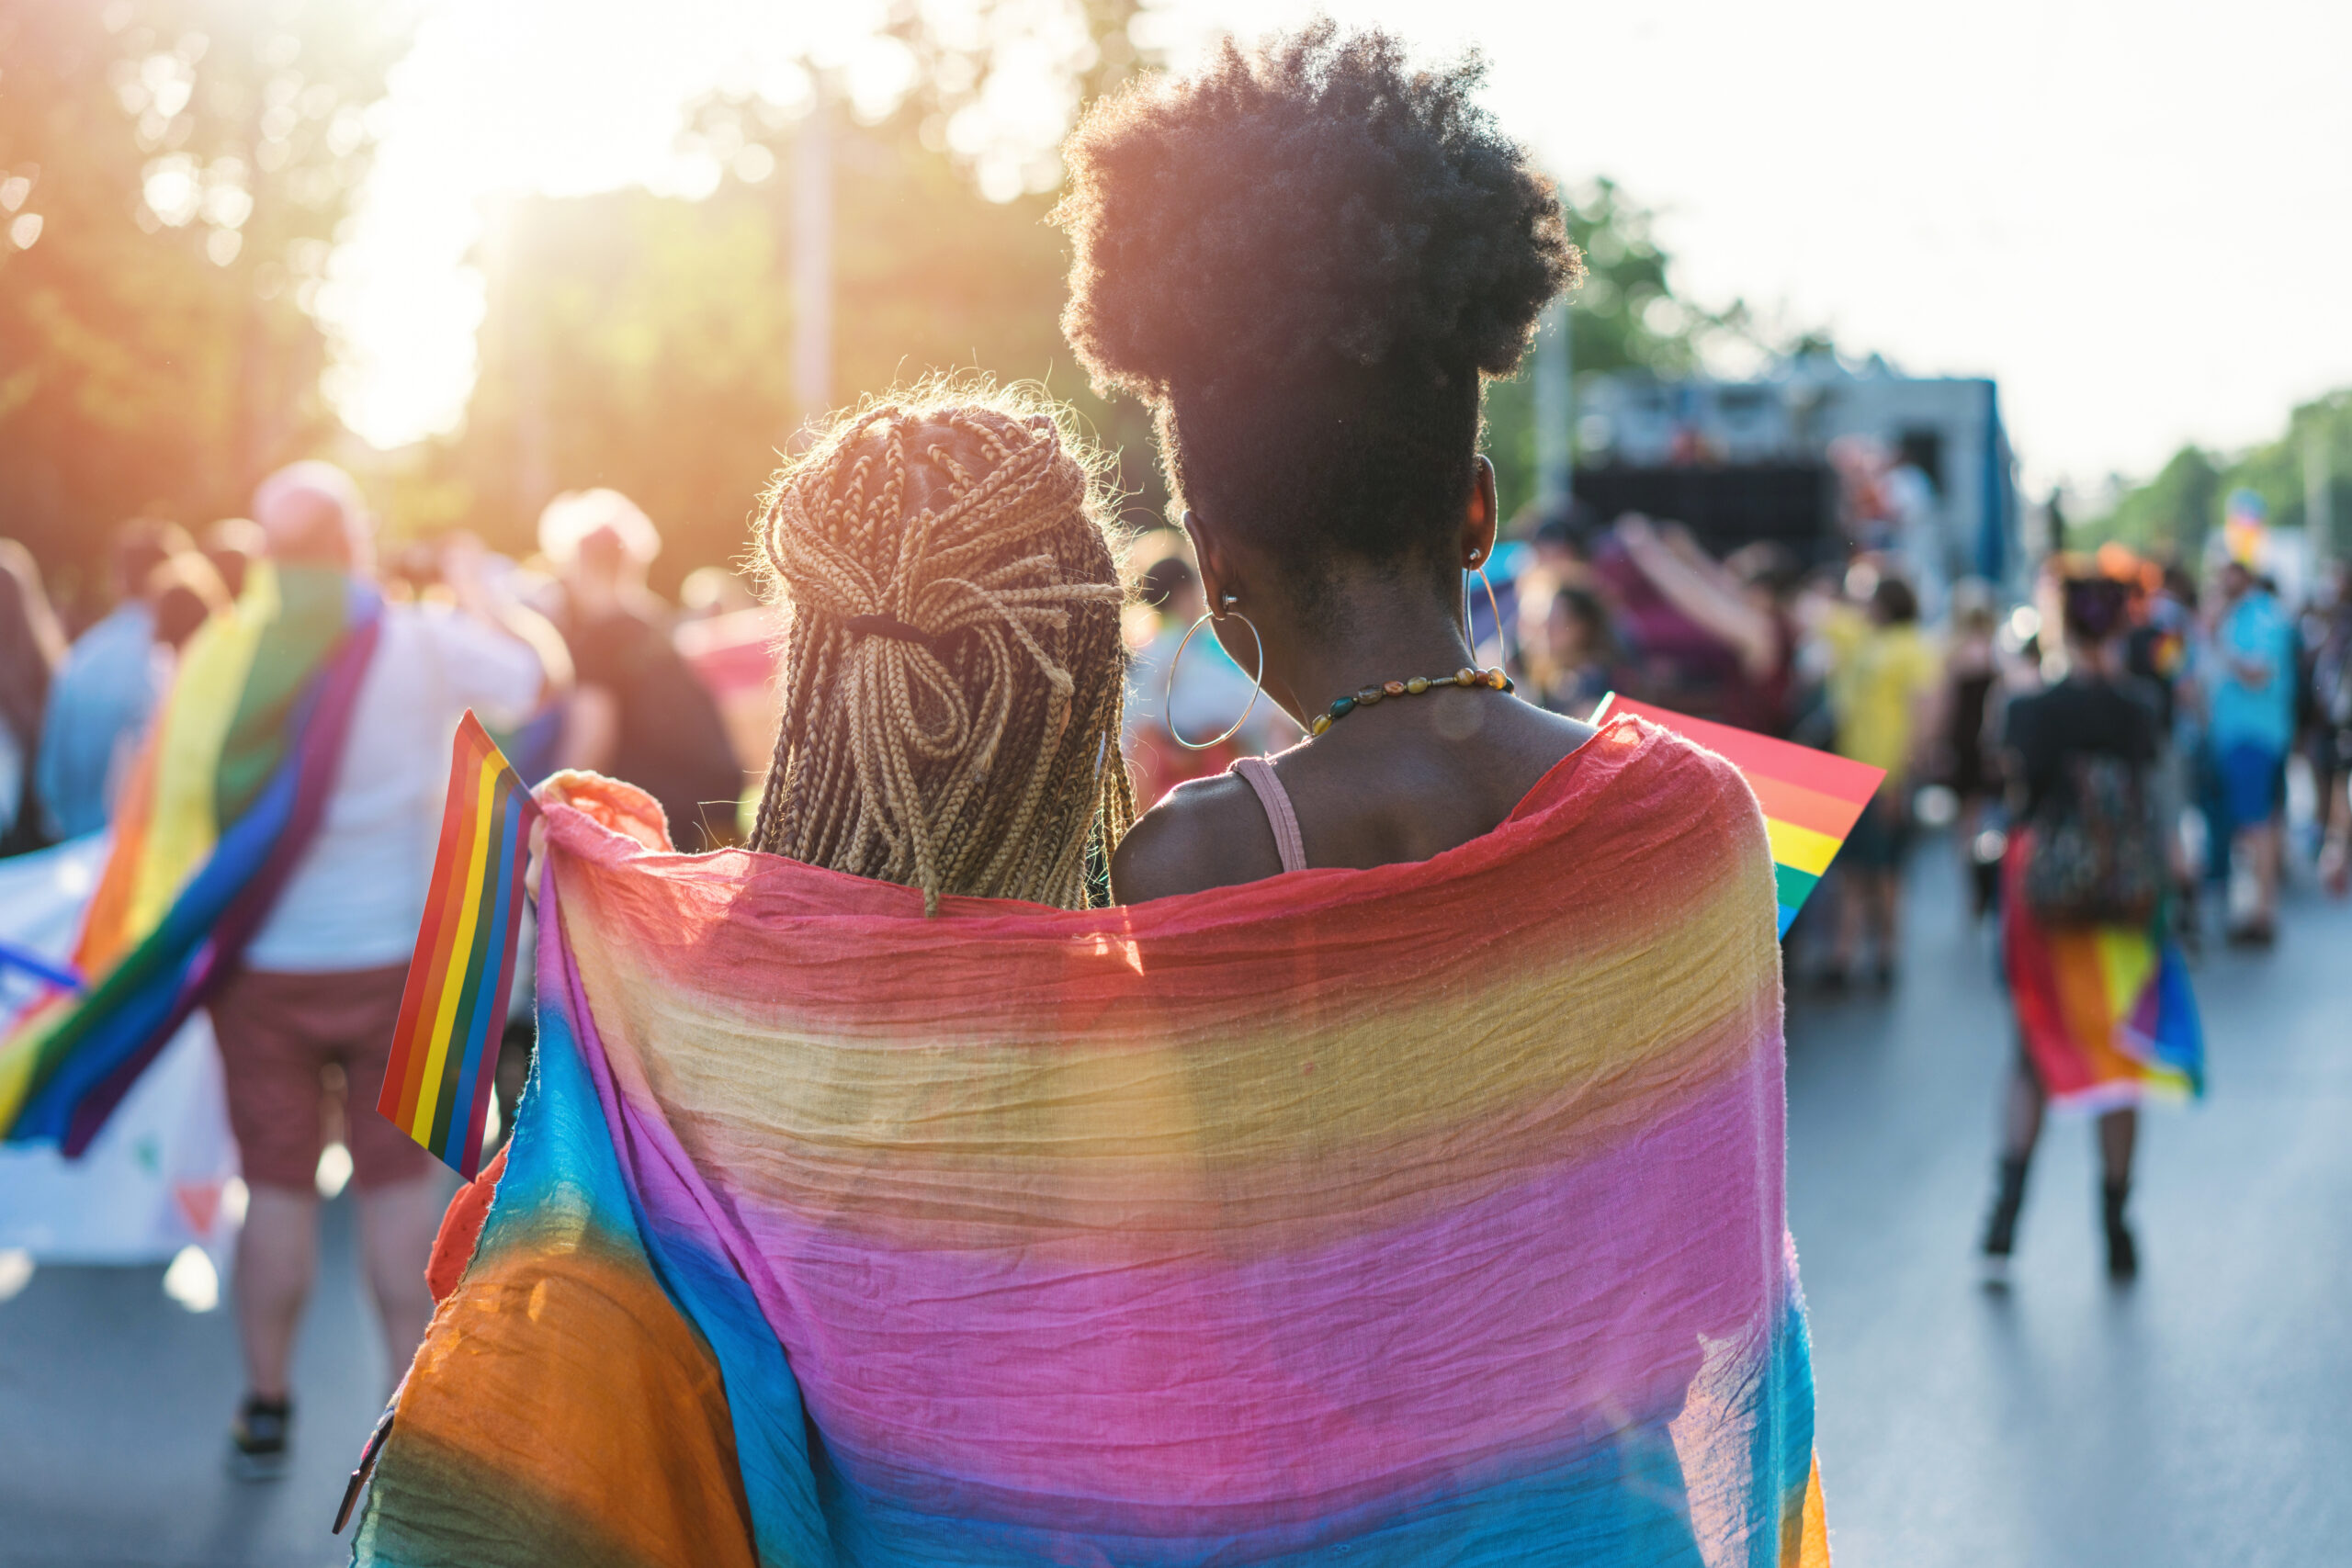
(231, 788)
(1427, 1213)
(453, 1012)
(1811, 799)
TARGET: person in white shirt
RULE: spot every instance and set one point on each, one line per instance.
(320, 981)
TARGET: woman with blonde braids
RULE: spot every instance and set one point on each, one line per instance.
(951, 670)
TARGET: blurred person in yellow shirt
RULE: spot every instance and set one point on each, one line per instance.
(1884, 677)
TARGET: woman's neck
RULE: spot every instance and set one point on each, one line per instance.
(1365, 639)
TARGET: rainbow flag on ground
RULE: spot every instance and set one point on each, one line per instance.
(1811, 799)
(2105, 1012)
(1426, 1212)
(238, 767)
(453, 1012)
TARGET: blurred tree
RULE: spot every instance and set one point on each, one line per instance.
(171, 172)
(2182, 504)
(1626, 316)
(645, 343)
(2171, 513)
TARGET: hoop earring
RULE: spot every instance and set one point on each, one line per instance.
(1493, 608)
(1257, 681)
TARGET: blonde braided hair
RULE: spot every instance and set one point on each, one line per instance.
(952, 672)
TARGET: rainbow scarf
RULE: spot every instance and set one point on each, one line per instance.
(1432, 1212)
(2105, 1013)
(226, 796)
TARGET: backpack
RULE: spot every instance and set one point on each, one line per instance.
(2095, 860)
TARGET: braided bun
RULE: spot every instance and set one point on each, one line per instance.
(953, 671)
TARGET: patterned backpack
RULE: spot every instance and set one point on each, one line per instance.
(2096, 860)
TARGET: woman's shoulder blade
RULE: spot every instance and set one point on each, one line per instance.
(1208, 832)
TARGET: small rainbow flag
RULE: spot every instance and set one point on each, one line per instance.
(1811, 799)
(444, 1055)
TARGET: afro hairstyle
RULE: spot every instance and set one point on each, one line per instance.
(1305, 258)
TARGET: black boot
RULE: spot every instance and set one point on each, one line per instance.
(2001, 1227)
(2122, 1252)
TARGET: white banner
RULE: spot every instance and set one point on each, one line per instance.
(163, 1174)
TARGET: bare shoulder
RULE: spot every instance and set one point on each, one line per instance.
(1205, 833)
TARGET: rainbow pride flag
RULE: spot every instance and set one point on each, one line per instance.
(225, 798)
(453, 1012)
(2105, 1012)
(1811, 799)
(1429, 1213)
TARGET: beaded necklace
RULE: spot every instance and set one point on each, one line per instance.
(1493, 679)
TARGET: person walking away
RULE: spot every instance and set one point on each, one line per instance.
(186, 592)
(2158, 652)
(1971, 762)
(99, 704)
(321, 983)
(2104, 1014)
(1883, 679)
(2331, 730)
(2251, 717)
(31, 646)
(638, 712)
(232, 544)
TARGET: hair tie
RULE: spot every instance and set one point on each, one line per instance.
(895, 630)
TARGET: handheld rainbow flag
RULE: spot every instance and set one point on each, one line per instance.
(1811, 799)
(445, 1054)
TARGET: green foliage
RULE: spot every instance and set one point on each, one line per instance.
(645, 343)
(1624, 317)
(2175, 510)
(186, 163)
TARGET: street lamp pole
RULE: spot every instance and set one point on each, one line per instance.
(1555, 409)
(812, 258)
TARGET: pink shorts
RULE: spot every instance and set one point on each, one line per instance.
(279, 1034)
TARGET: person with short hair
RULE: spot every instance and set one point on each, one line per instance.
(232, 544)
(2250, 720)
(1884, 680)
(319, 985)
(637, 712)
(106, 687)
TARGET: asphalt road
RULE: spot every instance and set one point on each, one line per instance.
(2201, 1416)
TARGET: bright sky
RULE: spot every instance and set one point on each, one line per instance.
(2136, 215)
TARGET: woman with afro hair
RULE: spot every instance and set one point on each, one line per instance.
(1306, 260)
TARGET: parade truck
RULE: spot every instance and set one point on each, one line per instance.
(1818, 455)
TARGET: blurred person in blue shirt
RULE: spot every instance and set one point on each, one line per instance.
(99, 702)
(2250, 721)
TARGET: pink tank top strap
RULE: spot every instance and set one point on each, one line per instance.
(1260, 775)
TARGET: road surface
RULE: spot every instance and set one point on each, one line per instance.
(2201, 1416)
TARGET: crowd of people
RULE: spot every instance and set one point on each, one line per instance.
(2244, 690)
(952, 662)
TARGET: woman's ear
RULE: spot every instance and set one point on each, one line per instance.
(1481, 518)
(1208, 554)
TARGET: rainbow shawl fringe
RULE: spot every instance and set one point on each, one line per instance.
(2105, 1013)
(225, 800)
(1429, 1213)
